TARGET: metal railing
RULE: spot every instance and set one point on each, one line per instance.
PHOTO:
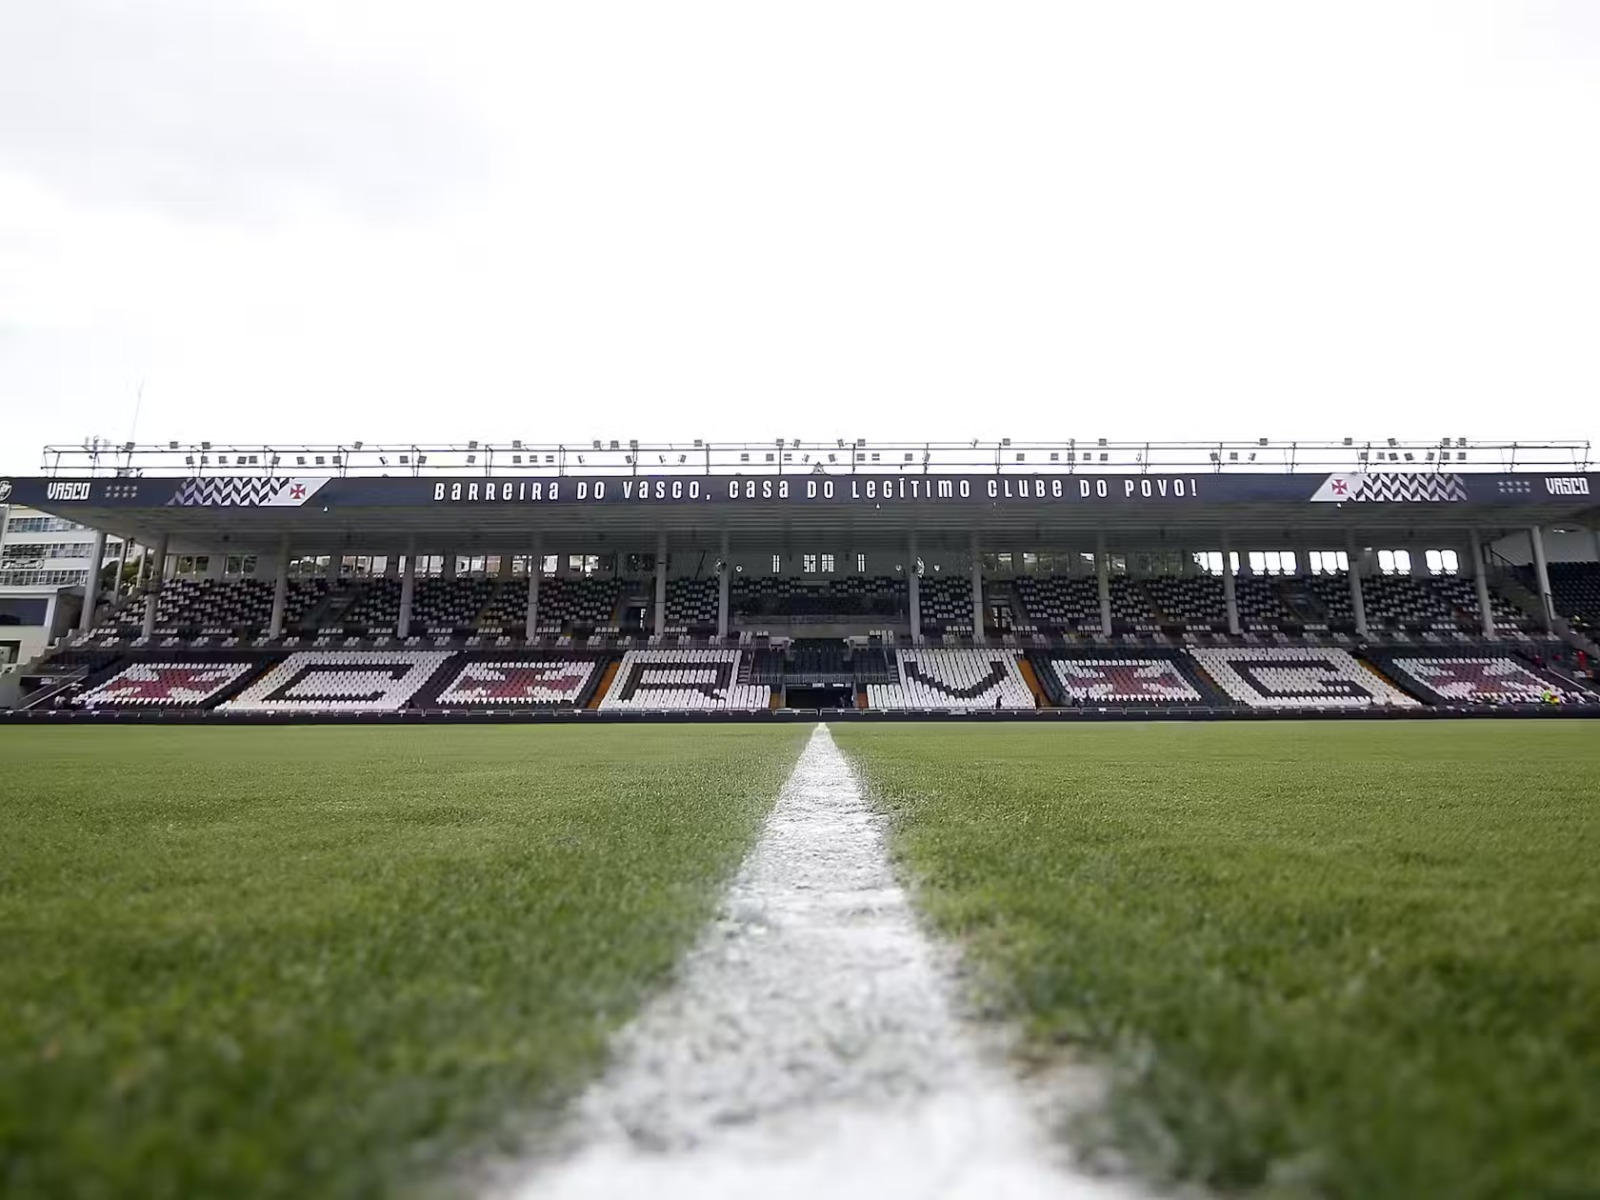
(841, 456)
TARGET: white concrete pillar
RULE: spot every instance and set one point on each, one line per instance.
(660, 623)
(280, 591)
(449, 568)
(977, 590)
(122, 565)
(1358, 606)
(1102, 572)
(1230, 590)
(408, 591)
(505, 566)
(216, 567)
(1481, 578)
(391, 566)
(724, 584)
(1541, 576)
(913, 589)
(153, 589)
(535, 569)
(91, 587)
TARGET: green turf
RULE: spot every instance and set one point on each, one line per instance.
(327, 961)
(1330, 960)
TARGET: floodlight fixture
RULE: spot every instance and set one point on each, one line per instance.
(320, 461)
(1101, 441)
(172, 445)
(1261, 441)
(127, 447)
(356, 445)
(472, 445)
(422, 460)
(633, 443)
(616, 445)
(597, 443)
(299, 460)
(188, 460)
(405, 460)
(1006, 442)
(1349, 441)
(205, 445)
(699, 443)
(472, 460)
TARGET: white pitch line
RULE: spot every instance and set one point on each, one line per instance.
(810, 1047)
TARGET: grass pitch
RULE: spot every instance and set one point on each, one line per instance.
(326, 961)
(1324, 960)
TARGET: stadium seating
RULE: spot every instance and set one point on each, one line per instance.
(1297, 677)
(1132, 678)
(166, 685)
(193, 607)
(1479, 679)
(945, 604)
(519, 682)
(340, 681)
(1462, 596)
(783, 596)
(1057, 603)
(1195, 604)
(683, 680)
(691, 604)
(1261, 605)
(954, 680)
(1575, 590)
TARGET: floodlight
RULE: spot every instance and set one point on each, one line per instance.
(597, 444)
(472, 460)
(472, 445)
(616, 445)
(356, 445)
(127, 447)
(320, 461)
(908, 456)
(205, 445)
(188, 460)
(699, 444)
(769, 456)
(778, 443)
(633, 443)
(405, 460)
(841, 443)
(1102, 441)
(1005, 441)
(1054, 456)
(299, 460)
(1215, 457)
(744, 457)
(338, 460)
(1349, 441)
(222, 460)
(1461, 456)
(516, 444)
(172, 445)
(1393, 442)
(422, 459)
(204, 460)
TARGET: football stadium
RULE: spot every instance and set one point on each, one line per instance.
(521, 819)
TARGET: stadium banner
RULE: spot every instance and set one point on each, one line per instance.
(877, 490)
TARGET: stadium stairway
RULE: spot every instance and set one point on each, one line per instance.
(1031, 678)
(607, 675)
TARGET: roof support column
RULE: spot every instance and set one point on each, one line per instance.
(331, 573)
(391, 565)
(216, 566)
(724, 581)
(1230, 591)
(449, 568)
(1102, 572)
(152, 593)
(1541, 576)
(913, 589)
(122, 566)
(977, 591)
(91, 586)
(535, 569)
(408, 591)
(280, 590)
(1481, 579)
(1358, 606)
(660, 624)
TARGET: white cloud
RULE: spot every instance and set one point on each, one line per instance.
(724, 220)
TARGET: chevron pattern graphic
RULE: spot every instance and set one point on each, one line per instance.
(241, 492)
(1410, 489)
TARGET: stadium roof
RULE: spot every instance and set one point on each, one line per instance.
(493, 498)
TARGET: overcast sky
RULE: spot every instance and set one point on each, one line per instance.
(324, 220)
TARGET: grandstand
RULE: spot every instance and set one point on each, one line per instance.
(718, 581)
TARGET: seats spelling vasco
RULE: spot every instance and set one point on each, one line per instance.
(341, 681)
(165, 685)
(688, 680)
(1298, 677)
